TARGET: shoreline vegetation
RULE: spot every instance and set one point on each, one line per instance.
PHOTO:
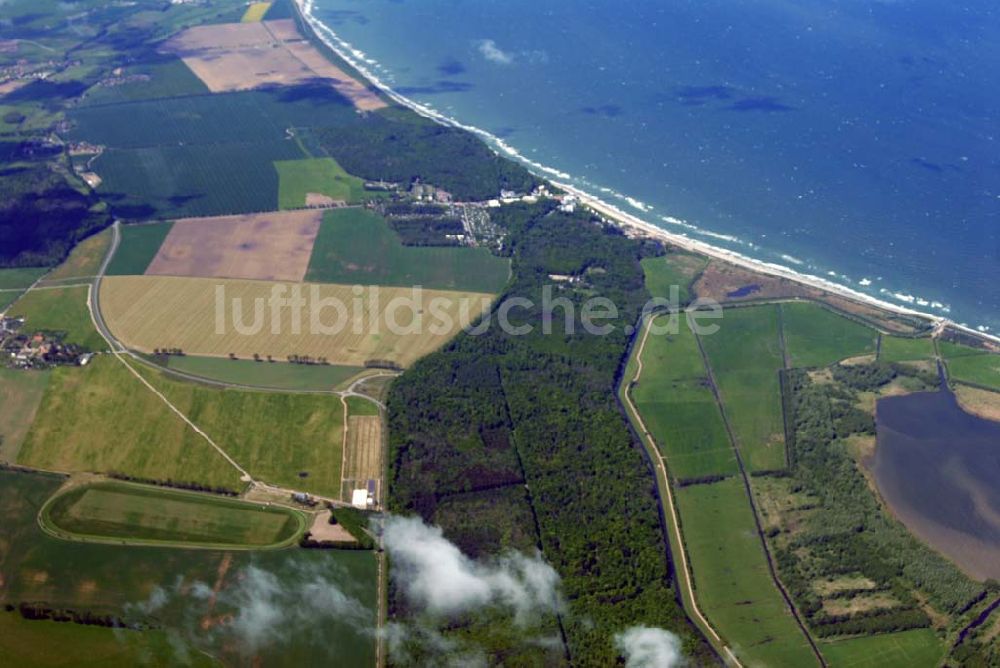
(611, 212)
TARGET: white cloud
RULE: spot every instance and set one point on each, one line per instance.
(491, 52)
(436, 576)
(649, 647)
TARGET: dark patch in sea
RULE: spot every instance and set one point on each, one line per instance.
(604, 111)
(451, 67)
(928, 165)
(340, 17)
(764, 103)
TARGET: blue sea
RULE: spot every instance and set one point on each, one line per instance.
(855, 140)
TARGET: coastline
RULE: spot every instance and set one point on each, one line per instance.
(357, 60)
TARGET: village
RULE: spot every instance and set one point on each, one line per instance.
(25, 349)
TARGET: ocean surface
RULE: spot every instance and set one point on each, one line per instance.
(855, 140)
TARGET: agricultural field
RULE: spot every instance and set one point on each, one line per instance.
(242, 56)
(139, 245)
(278, 375)
(262, 246)
(60, 310)
(149, 312)
(255, 12)
(83, 262)
(361, 406)
(732, 581)
(20, 278)
(163, 182)
(679, 409)
(14, 281)
(817, 337)
(673, 269)
(101, 418)
(157, 587)
(358, 246)
(362, 453)
(20, 395)
(42, 644)
(745, 357)
(115, 511)
(290, 440)
(154, 79)
(899, 349)
(919, 648)
(316, 181)
(982, 369)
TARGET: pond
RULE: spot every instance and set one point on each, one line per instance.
(938, 469)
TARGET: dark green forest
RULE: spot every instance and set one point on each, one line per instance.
(531, 423)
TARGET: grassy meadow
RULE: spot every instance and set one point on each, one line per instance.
(115, 511)
(982, 370)
(323, 176)
(673, 269)
(20, 278)
(274, 375)
(20, 395)
(679, 409)
(156, 585)
(101, 418)
(817, 337)
(84, 260)
(361, 406)
(732, 581)
(292, 440)
(918, 648)
(358, 246)
(160, 78)
(899, 349)
(745, 356)
(139, 245)
(61, 310)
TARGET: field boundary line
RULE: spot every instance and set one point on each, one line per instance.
(674, 520)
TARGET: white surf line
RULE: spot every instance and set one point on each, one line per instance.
(356, 60)
(675, 524)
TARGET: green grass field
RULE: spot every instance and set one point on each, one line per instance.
(83, 262)
(360, 406)
(678, 269)
(816, 337)
(42, 644)
(12, 279)
(679, 409)
(139, 245)
(733, 585)
(60, 310)
(745, 356)
(982, 370)
(292, 440)
(275, 375)
(919, 648)
(165, 77)
(950, 350)
(164, 182)
(323, 176)
(21, 393)
(101, 418)
(116, 511)
(358, 246)
(899, 349)
(125, 580)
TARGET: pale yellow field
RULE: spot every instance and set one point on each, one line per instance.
(255, 12)
(216, 317)
(363, 453)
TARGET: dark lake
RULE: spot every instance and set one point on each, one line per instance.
(938, 468)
